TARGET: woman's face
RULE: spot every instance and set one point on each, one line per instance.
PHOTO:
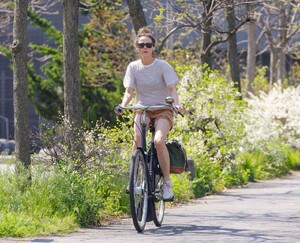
(144, 47)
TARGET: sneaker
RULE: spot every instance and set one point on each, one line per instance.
(167, 191)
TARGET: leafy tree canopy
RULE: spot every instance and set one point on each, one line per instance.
(104, 46)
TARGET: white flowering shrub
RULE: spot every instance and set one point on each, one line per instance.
(274, 116)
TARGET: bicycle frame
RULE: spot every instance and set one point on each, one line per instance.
(150, 168)
(144, 126)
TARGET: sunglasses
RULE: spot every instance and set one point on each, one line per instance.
(142, 45)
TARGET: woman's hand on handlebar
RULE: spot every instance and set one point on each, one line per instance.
(119, 110)
(178, 109)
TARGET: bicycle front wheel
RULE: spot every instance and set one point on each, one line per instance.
(159, 204)
(138, 190)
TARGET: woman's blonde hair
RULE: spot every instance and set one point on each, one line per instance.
(144, 31)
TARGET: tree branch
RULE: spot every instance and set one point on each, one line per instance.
(158, 50)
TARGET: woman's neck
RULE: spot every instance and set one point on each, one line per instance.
(148, 60)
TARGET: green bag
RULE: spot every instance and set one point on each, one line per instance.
(178, 159)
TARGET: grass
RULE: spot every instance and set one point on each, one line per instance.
(26, 210)
(22, 224)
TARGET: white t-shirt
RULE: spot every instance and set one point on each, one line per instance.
(150, 81)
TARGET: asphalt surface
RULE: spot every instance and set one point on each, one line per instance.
(267, 211)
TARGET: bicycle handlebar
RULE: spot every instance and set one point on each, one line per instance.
(170, 100)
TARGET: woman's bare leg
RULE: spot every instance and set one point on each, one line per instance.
(137, 140)
(162, 128)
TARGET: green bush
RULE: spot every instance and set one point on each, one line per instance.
(293, 157)
(212, 127)
(35, 207)
(182, 187)
(271, 160)
(207, 177)
(59, 195)
(59, 191)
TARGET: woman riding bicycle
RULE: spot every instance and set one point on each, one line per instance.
(153, 80)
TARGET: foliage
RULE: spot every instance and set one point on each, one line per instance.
(261, 82)
(182, 187)
(271, 143)
(207, 176)
(59, 193)
(103, 43)
(295, 74)
(106, 51)
(274, 115)
(5, 52)
(98, 176)
(231, 143)
(106, 41)
(27, 209)
(212, 126)
(293, 157)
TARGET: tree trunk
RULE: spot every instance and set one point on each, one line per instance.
(282, 65)
(137, 14)
(283, 24)
(72, 101)
(205, 56)
(232, 50)
(251, 52)
(20, 83)
(273, 65)
(72, 97)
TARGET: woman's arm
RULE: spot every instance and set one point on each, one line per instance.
(173, 92)
(125, 101)
(127, 96)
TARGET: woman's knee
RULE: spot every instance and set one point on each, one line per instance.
(138, 138)
(159, 142)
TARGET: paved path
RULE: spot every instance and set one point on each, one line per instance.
(267, 211)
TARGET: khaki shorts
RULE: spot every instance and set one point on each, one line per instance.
(166, 114)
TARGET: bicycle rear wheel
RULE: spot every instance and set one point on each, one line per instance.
(159, 204)
(138, 190)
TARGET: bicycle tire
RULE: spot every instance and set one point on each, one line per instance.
(138, 190)
(159, 204)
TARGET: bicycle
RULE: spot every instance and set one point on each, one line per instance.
(146, 178)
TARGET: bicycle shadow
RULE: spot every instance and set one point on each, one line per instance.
(192, 229)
